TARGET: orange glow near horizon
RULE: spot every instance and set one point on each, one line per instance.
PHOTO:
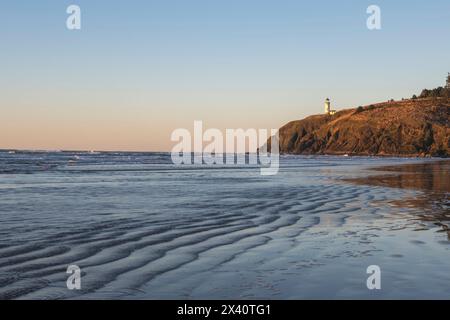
(112, 121)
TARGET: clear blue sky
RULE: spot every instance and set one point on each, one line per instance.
(139, 69)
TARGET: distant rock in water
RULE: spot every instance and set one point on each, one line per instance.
(417, 127)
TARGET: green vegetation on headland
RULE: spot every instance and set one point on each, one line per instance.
(414, 127)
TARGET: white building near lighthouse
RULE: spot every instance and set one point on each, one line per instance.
(328, 107)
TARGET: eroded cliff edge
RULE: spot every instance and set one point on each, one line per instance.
(416, 127)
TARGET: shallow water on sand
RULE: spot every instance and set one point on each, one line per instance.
(139, 227)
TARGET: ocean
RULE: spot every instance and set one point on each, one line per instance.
(139, 227)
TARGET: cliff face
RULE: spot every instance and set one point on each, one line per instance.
(403, 128)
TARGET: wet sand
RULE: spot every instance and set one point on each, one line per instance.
(141, 228)
(432, 179)
(429, 176)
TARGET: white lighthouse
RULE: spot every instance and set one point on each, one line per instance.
(328, 107)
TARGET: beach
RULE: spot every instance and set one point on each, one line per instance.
(140, 227)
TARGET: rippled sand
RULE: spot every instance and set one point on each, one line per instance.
(144, 229)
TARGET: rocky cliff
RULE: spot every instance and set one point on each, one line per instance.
(419, 127)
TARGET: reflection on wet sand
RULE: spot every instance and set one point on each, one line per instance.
(432, 179)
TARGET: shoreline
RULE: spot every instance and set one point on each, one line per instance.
(384, 155)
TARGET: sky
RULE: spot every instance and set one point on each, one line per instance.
(138, 70)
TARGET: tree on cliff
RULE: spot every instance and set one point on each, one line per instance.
(439, 92)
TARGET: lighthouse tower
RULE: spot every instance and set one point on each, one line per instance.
(327, 106)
